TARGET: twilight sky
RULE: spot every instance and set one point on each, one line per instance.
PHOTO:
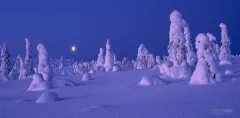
(58, 24)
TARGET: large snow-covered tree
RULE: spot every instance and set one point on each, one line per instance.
(6, 65)
(43, 63)
(206, 69)
(108, 64)
(225, 52)
(28, 59)
(176, 47)
(190, 55)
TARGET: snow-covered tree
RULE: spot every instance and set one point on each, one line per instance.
(190, 55)
(142, 57)
(23, 71)
(114, 59)
(28, 59)
(6, 65)
(43, 63)
(151, 62)
(214, 47)
(225, 52)
(176, 66)
(100, 60)
(206, 69)
(109, 57)
(176, 47)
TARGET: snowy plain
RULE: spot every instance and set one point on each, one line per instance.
(110, 95)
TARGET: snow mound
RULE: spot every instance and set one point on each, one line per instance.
(201, 75)
(48, 97)
(38, 83)
(153, 80)
(86, 77)
(92, 71)
(228, 72)
(62, 83)
(115, 69)
(225, 62)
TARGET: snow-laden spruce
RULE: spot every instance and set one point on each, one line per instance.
(6, 65)
(191, 56)
(225, 52)
(178, 69)
(100, 59)
(23, 71)
(108, 64)
(214, 47)
(176, 47)
(28, 63)
(43, 63)
(38, 83)
(151, 62)
(206, 71)
(142, 56)
(48, 97)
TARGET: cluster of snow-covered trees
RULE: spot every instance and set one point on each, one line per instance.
(182, 62)
(23, 67)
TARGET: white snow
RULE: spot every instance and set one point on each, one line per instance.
(47, 97)
(86, 77)
(38, 83)
(229, 72)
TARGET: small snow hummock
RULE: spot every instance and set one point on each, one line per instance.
(92, 71)
(228, 72)
(115, 69)
(153, 80)
(47, 97)
(225, 62)
(38, 83)
(86, 77)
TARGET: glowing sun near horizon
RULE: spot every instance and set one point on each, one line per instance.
(73, 48)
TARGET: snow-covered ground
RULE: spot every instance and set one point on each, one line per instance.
(111, 94)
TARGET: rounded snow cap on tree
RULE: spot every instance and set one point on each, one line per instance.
(222, 25)
(101, 51)
(211, 37)
(175, 15)
(108, 44)
(41, 48)
(201, 41)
